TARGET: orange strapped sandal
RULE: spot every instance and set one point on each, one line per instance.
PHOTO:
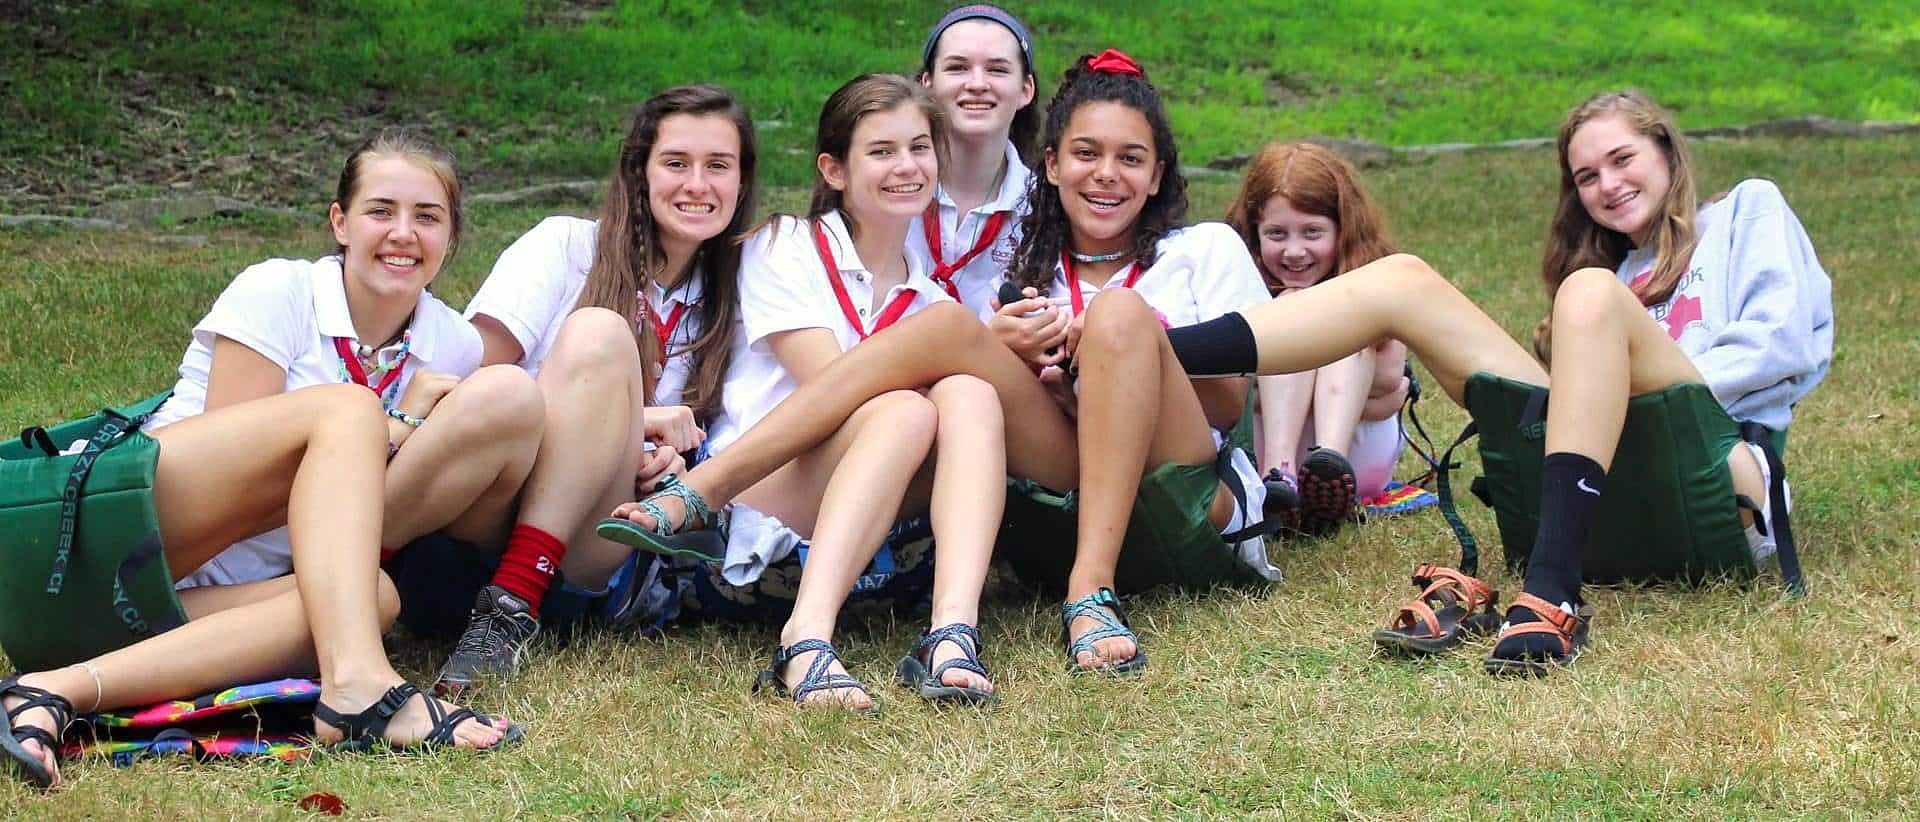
(1570, 629)
(1450, 607)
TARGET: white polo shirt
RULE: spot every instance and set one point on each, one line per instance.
(1199, 273)
(783, 287)
(537, 282)
(290, 311)
(959, 233)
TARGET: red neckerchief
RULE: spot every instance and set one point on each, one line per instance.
(893, 311)
(359, 372)
(663, 329)
(1073, 282)
(942, 272)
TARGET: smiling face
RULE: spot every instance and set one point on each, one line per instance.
(1621, 174)
(1106, 168)
(1297, 249)
(891, 167)
(396, 230)
(978, 77)
(693, 180)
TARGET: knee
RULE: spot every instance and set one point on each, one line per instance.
(1403, 273)
(499, 402)
(967, 399)
(1588, 297)
(1119, 318)
(346, 408)
(593, 341)
(389, 598)
(904, 414)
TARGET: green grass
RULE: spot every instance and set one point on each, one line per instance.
(1727, 701)
(259, 100)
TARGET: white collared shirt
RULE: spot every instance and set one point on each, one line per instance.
(977, 280)
(1199, 273)
(537, 282)
(784, 287)
(290, 311)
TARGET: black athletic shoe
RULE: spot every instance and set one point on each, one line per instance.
(499, 635)
(1328, 491)
(1283, 499)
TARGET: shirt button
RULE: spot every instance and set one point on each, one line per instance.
(863, 312)
(862, 276)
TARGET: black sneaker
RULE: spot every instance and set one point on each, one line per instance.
(1328, 491)
(499, 633)
(1283, 499)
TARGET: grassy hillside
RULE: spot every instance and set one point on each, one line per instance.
(104, 100)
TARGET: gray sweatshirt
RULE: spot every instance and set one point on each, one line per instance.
(1755, 309)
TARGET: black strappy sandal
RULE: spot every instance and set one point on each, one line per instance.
(362, 731)
(18, 757)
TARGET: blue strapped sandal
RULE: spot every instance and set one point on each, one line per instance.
(13, 735)
(1095, 606)
(913, 672)
(681, 539)
(816, 679)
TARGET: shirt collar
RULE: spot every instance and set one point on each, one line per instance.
(333, 319)
(1012, 193)
(848, 259)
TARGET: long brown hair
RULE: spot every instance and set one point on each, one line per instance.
(851, 103)
(627, 244)
(1575, 241)
(1044, 231)
(1316, 181)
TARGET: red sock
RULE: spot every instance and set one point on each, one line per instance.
(528, 564)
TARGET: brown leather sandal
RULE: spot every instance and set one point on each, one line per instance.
(1451, 606)
(1570, 629)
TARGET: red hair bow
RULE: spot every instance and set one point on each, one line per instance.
(1112, 61)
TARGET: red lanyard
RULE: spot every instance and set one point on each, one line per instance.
(887, 315)
(663, 329)
(942, 272)
(359, 373)
(1073, 282)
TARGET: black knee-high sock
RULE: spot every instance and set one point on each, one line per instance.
(1570, 486)
(1220, 347)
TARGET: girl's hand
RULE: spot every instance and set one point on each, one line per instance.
(655, 465)
(1032, 328)
(1074, 330)
(672, 425)
(425, 389)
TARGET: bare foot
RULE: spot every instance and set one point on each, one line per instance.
(39, 717)
(849, 696)
(1106, 652)
(956, 677)
(411, 724)
(672, 505)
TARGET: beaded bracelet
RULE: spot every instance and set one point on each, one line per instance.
(405, 417)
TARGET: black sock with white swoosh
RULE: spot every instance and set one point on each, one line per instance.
(1570, 486)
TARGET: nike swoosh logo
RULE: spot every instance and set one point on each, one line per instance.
(1582, 485)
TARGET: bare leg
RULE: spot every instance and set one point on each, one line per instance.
(969, 499)
(940, 341)
(857, 494)
(1338, 396)
(1398, 297)
(1609, 349)
(1124, 359)
(1285, 400)
(461, 471)
(315, 456)
(595, 392)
